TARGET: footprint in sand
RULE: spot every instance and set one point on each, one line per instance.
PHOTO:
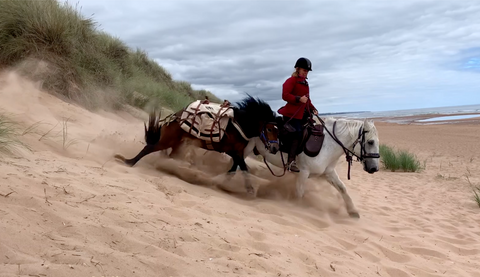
(202, 210)
(458, 241)
(188, 203)
(282, 221)
(396, 272)
(257, 235)
(229, 247)
(319, 223)
(337, 251)
(177, 213)
(392, 255)
(345, 244)
(256, 243)
(259, 246)
(426, 252)
(369, 256)
(233, 217)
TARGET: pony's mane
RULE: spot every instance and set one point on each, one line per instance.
(351, 127)
(255, 109)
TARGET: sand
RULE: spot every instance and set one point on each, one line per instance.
(69, 209)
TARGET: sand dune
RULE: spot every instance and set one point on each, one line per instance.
(69, 209)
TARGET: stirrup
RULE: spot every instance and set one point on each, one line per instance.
(292, 167)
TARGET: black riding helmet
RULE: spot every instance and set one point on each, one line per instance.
(304, 63)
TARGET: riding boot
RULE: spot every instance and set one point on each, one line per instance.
(292, 154)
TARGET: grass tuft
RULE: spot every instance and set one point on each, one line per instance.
(399, 160)
(476, 195)
(476, 192)
(9, 143)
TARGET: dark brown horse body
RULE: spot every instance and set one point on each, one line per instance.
(253, 116)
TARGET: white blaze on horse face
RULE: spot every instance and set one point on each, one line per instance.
(271, 135)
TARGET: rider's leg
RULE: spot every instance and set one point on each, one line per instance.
(294, 143)
(292, 154)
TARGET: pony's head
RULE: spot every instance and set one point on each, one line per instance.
(259, 120)
(369, 147)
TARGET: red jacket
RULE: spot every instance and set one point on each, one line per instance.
(293, 89)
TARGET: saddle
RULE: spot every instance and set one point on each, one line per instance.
(311, 142)
(205, 120)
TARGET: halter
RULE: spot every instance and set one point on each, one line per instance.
(263, 137)
(349, 153)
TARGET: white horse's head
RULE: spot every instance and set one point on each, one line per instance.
(368, 147)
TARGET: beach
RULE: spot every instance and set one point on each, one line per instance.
(67, 208)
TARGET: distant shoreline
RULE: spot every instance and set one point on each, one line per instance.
(413, 119)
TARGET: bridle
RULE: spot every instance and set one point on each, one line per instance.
(264, 138)
(349, 153)
(267, 145)
(363, 152)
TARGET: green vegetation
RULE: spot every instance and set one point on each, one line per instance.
(476, 195)
(398, 160)
(8, 136)
(52, 42)
(476, 192)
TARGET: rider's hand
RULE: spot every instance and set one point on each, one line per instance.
(315, 112)
(303, 99)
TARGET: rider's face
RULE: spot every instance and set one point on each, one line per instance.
(302, 72)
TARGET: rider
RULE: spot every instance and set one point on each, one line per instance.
(298, 108)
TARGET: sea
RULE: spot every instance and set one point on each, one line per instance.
(448, 113)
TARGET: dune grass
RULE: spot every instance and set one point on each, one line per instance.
(476, 192)
(9, 143)
(400, 160)
(52, 42)
(476, 195)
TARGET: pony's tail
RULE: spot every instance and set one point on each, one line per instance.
(153, 131)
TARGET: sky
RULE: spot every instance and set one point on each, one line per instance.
(373, 55)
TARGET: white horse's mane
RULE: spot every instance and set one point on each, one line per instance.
(351, 126)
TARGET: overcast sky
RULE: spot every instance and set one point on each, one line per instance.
(367, 55)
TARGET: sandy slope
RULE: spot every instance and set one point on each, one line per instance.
(71, 210)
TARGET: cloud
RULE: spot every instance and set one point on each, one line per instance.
(364, 53)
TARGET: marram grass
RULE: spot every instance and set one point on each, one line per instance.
(81, 63)
(401, 160)
(9, 142)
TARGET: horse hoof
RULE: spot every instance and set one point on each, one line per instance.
(119, 157)
(354, 214)
(300, 194)
(229, 175)
(122, 159)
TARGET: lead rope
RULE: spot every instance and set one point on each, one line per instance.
(271, 171)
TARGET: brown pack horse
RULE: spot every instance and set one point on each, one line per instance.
(254, 116)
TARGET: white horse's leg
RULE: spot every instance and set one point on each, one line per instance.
(332, 178)
(302, 177)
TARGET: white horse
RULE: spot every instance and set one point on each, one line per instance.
(342, 137)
